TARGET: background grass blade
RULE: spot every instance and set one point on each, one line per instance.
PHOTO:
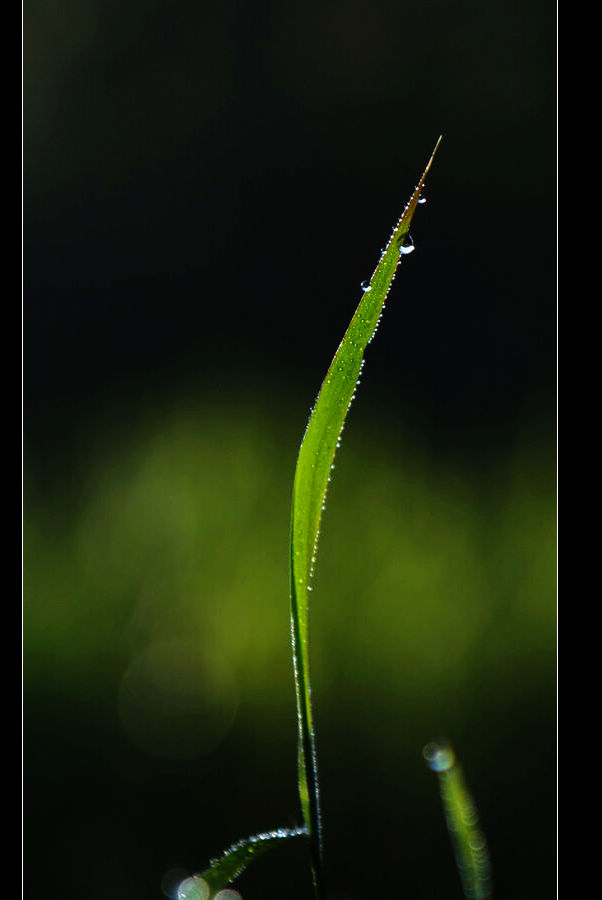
(468, 841)
(312, 474)
(234, 861)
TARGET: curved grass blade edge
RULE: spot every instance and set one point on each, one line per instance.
(233, 862)
(312, 474)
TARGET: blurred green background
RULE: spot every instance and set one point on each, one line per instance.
(206, 186)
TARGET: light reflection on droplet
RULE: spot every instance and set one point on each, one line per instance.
(438, 757)
(228, 895)
(171, 881)
(193, 888)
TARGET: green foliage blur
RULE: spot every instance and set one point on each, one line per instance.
(156, 600)
(206, 186)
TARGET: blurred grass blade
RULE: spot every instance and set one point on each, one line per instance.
(312, 475)
(470, 847)
(234, 861)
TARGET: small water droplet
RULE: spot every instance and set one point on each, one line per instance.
(366, 286)
(421, 200)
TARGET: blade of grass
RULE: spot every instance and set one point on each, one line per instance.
(233, 862)
(468, 841)
(312, 474)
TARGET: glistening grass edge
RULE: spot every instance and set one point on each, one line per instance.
(312, 474)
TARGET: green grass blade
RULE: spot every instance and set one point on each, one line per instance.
(468, 841)
(312, 474)
(222, 871)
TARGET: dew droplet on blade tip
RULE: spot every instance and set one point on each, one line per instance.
(194, 888)
(438, 757)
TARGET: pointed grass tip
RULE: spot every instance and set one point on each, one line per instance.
(429, 164)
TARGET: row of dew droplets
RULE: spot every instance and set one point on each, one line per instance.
(353, 342)
(196, 888)
(329, 479)
(225, 869)
(404, 250)
(405, 247)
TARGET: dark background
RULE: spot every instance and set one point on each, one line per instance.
(206, 185)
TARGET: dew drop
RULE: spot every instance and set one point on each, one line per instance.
(421, 200)
(404, 249)
(228, 895)
(366, 286)
(194, 888)
(439, 758)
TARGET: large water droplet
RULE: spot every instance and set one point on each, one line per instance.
(439, 758)
(366, 286)
(421, 200)
(194, 888)
(404, 249)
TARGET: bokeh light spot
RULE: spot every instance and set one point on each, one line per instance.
(439, 758)
(193, 888)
